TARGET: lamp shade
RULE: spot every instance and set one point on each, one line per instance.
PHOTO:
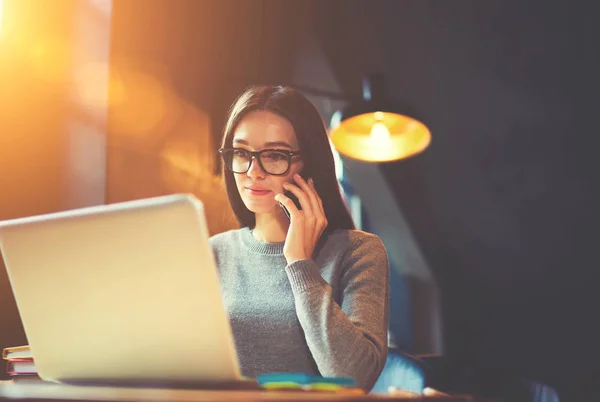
(377, 130)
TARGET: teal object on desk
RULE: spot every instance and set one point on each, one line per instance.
(303, 379)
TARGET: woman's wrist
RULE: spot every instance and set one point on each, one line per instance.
(304, 275)
(292, 259)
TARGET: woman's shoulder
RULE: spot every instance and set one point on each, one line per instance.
(354, 239)
(356, 250)
(354, 236)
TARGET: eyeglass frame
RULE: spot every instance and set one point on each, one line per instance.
(256, 155)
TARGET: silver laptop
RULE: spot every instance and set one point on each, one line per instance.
(125, 293)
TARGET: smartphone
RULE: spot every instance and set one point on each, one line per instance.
(292, 197)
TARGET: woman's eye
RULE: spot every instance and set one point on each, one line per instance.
(238, 153)
(275, 156)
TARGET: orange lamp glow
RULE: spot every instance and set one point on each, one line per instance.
(375, 130)
(380, 137)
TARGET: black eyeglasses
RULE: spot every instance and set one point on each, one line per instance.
(273, 161)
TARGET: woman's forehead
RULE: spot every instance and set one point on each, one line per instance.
(260, 128)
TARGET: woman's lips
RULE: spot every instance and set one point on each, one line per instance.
(257, 191)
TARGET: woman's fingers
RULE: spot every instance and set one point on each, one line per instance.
(288, 204)
(320, 218)
(306, 226)
(319, 200)
(309, 191)
(315, 200)
(302, 197)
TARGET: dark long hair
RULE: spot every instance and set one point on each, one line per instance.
(312, 139)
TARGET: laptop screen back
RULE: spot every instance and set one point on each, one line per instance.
(122, 292)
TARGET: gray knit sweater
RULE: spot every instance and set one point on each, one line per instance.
(328, 316)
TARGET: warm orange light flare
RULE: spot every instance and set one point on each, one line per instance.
(380, 137)
(141, 103)
(1, 16)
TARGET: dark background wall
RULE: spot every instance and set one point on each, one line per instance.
(504, 203)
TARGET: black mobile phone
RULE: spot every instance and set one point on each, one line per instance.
(292, 197)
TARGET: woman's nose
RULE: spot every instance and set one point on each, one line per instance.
(255, 171)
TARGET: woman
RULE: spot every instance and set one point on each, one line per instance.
(309, 293)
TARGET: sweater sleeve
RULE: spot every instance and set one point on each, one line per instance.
(350, 339)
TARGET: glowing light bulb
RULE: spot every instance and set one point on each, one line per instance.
(380, 133)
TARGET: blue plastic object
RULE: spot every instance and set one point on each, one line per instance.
(303, 379)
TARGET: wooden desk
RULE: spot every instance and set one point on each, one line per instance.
(33, 392)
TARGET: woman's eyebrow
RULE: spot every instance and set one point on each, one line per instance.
(273, 144)
(270, 144)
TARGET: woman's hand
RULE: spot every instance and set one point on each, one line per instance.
(306, 225)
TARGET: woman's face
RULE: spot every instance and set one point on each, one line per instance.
(260, 130)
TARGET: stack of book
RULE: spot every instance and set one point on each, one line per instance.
(19, 363)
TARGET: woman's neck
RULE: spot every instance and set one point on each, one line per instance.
(271, 228)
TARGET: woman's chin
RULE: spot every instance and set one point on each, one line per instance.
(259, 208)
